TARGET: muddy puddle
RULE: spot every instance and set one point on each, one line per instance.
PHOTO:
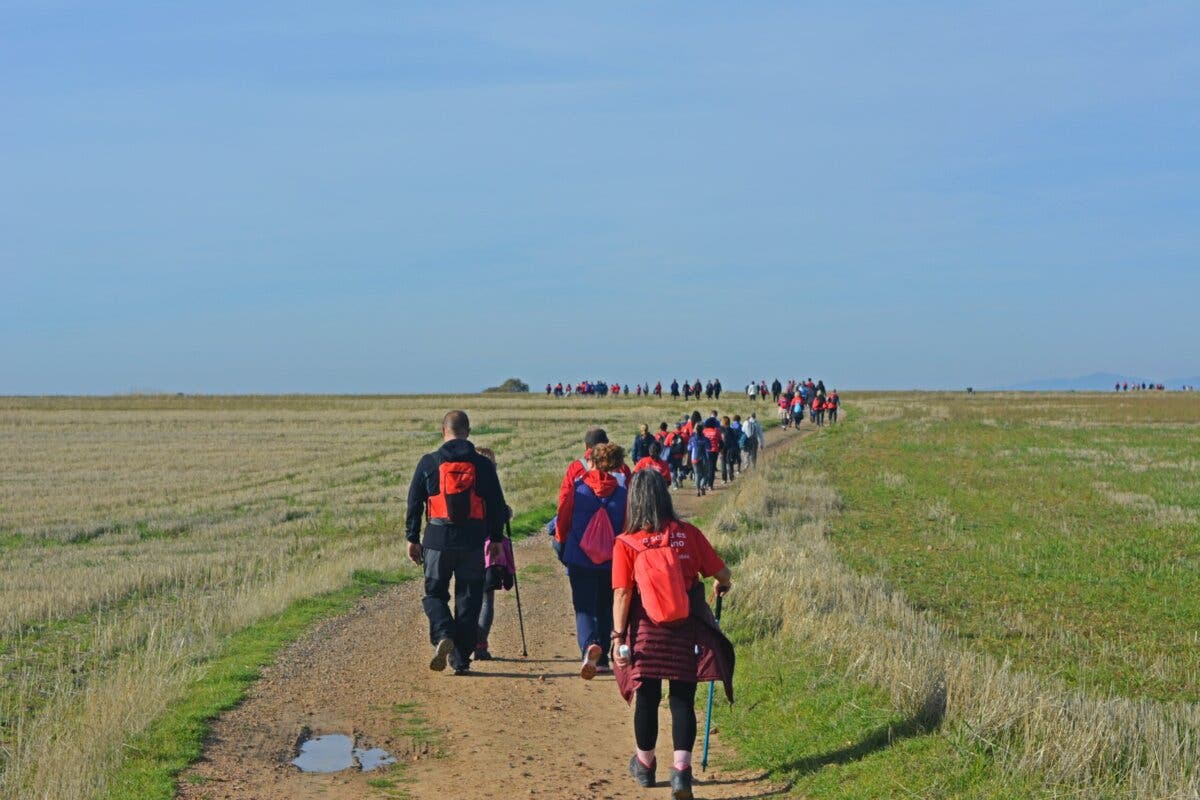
(334, 752)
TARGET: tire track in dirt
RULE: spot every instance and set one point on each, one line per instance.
(517, 728)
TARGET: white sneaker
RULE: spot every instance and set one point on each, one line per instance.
(440, 654)
(587, 670)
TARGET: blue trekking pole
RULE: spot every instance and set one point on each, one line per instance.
(711, 687)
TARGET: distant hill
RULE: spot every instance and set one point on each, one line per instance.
(1096, 382)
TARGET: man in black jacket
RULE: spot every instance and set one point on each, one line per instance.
(459, 491)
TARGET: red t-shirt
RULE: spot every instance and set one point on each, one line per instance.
(696, 555)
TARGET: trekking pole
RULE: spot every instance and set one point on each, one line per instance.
(711, 687)
(517, 589)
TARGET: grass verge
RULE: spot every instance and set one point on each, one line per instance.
(157, 755)
(532, 521)
(807, 724)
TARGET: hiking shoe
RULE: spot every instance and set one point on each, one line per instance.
(587, 670)
(440, 654)
(464, 669)
(642, 774)
(681, 784)
(483, 654)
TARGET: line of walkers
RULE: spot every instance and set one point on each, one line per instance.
(711, 389)
(633, 566)
(801, 397)
(694, 447)
(634, 570)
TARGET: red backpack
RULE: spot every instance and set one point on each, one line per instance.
(658, 575)
(456, 502)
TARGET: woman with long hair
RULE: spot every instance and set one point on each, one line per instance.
(663, 628)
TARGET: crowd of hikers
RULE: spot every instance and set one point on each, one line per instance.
(798, 398)
(694, 447)
(633, 566)
(1124, 386)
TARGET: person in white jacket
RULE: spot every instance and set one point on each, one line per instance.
(754, 439)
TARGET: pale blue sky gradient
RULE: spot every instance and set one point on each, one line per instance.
(232, 197)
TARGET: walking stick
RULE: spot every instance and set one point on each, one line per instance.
(517, 589)
(711, 687)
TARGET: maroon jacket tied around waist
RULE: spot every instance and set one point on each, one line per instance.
(691, 650)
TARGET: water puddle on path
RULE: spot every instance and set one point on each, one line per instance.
(335, 752)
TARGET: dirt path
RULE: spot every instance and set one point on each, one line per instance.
(517, 728)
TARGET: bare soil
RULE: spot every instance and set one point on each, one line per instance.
(518, 727)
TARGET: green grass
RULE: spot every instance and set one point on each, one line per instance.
(532, 521)
(1058, 532)
(798, 718)
(171, 744)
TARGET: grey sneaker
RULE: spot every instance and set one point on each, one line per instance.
(681, 784)
(440, 654)
(643, 775)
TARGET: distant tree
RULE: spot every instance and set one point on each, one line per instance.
(510, 385)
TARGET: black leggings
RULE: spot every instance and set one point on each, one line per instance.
(682, 699)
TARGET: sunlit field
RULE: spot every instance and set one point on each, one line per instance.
(136, 533)
(988, 596)
(1019, 573)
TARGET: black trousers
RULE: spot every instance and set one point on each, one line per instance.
(682, 700)
(466, 568)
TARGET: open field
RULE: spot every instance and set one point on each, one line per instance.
(137, 533)
(1022, 569)
(1060, 532)
(980, 562)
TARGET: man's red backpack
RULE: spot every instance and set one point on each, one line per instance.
(457, 501)
(658, 575)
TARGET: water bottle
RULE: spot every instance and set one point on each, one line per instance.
(623, 651)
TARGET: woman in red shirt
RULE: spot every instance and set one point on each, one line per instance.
(657, 565)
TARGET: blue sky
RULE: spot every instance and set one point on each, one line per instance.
(230, 197)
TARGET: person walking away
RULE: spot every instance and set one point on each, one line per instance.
(663, 629)
(457, 492)
(753, 431)
(730, 449)
(712, 432)
(698, 456)
(586, 526)
(499, 574)
(687, 392)
(797, 410)
(654, 461)
(776, 390)
(716, 388)
(578, 467)
(834, 401)
(641, 444)
(676, 444)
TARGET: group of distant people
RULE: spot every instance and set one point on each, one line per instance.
(1125, 386)
(797, 398)
(712, 389)
(694, 446)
